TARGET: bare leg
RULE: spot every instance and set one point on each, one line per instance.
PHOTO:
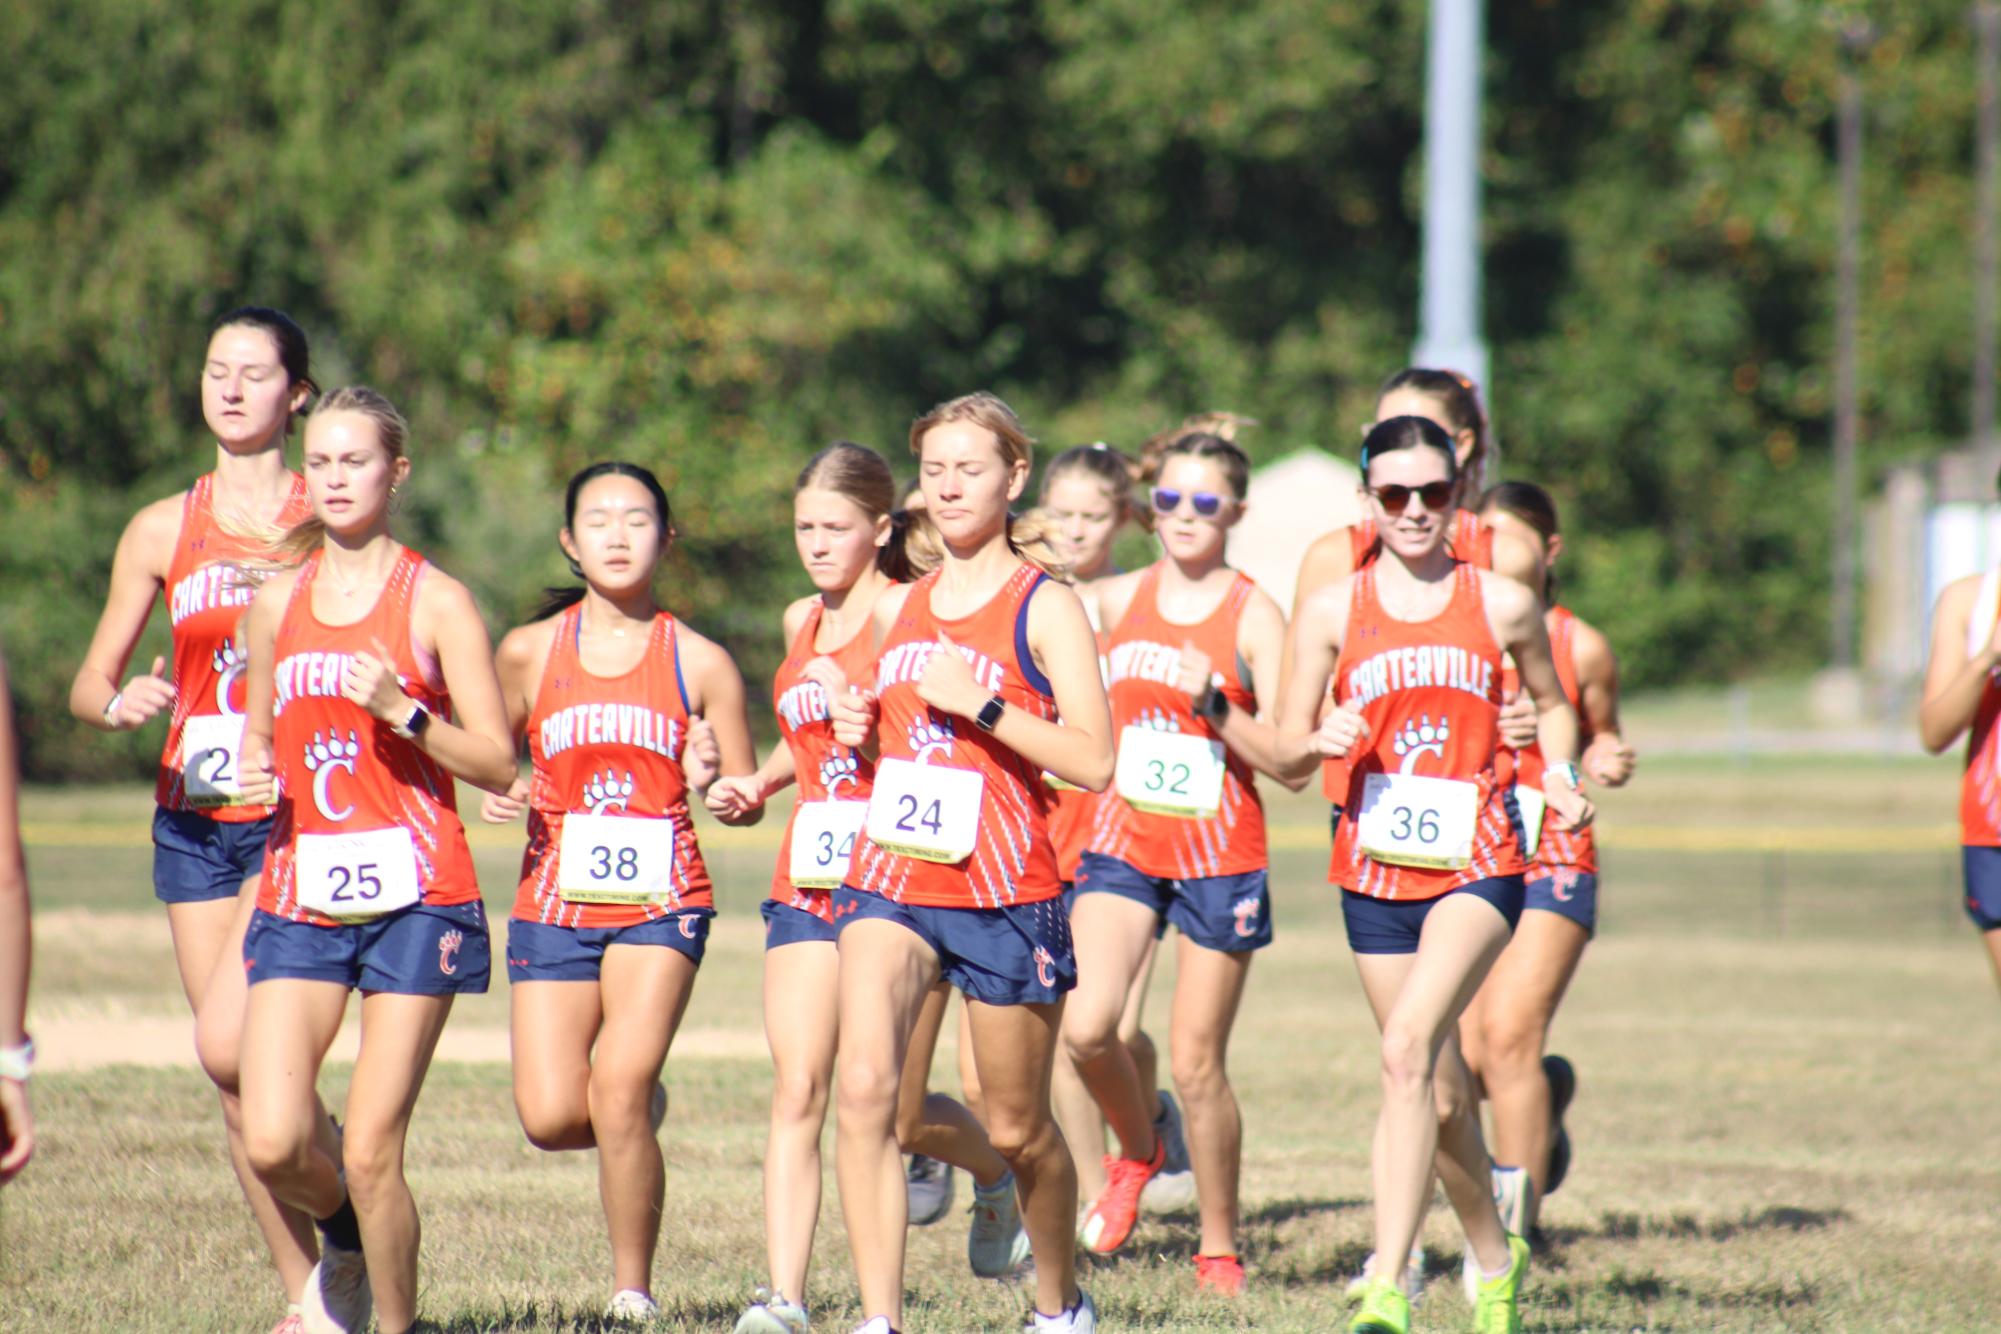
(931, 1123)
(1993, 939)
(1112, 936)
(801, 1024)
(288, 1025)
(552, 1027)
(1209, 984)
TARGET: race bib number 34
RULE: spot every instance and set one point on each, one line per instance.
(209, 742)
(616, 859)
(1411, 821)
(823, 839)
(1169, 773)
(927, 811)
(356, 876)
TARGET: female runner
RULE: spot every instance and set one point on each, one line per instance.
(954, 876)
(612, 914)
(1504, 1029)
(1181, 841)
(1430, 863)
(371, 686)
(1962, 697)
(205, 549)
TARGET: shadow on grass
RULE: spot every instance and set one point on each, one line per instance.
(1630, 1227)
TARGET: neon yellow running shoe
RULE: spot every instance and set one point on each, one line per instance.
(1385, 1310)
(1494, 1311)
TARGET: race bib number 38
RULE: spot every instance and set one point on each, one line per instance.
(1169, 773)
(1411, 821)
(927, 811)
(823, 839)
(616, 859)
(355, 876)
(209, 742)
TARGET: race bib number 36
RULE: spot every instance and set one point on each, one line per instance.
(209, 742)
(1411, 821)
(616, 859)
(1169, 773)
(356, 876)
(927, 811)
(823, 839)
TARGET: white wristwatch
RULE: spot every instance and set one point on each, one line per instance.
(17, 1062)
(1567, 771)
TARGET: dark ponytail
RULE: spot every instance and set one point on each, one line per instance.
(555, 599)
(286, 336)
(1533, 506)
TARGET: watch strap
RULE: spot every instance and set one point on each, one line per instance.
(990, 713)
(17, 1062)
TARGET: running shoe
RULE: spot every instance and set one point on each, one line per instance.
(996, 1243)
(1562, 1077)
(772, 1313)
(630, 1306)
(1512, 1189)
(337, 1299)
(1079, 1319)
(1220, 1274)
(1385, 1310)
(878, 1325)
(1413, 1276)
(1495, 1309)
(1172, 1190)
(1117, 1209)
(928, 1184)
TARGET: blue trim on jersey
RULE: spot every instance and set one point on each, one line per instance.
(680, 681)
(1024, 657)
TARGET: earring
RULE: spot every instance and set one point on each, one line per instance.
(395, 500)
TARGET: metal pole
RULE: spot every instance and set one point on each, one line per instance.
(1449, 304)
(1855, 40)
(1987, 132)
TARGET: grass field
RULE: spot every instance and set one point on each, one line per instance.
(1786, 1035)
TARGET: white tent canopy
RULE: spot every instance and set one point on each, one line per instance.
(1292, 501)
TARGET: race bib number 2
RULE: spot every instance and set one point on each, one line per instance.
(1170, 773)
(1407, 820)
(823, 841)
(356, 876)
(616, 859)
(927, 811)
(209, 742)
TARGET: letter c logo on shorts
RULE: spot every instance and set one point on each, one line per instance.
(1561, 882)
(1045, 967)
(1245, 910)
(448, 948)
(688, 926)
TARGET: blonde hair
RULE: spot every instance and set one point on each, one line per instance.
(306, 537)
(1028, 536)
(1110, 469)
(863, 477)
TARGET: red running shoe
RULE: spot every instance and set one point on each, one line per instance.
(1111, 1219)
(1220, 1274)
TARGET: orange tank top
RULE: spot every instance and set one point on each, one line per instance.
(608, 745)
(1014, 861)
(340, 770)
(1431, 694)
(207, 593)
(823, 768)
(1576, 849)
(1469, 540)
(1980, 786)
(1143, 660)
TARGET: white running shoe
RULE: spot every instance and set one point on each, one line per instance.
(1413, 1276)
(337, 1299)
(878, 1325)
(928, 1186)
(1079, 1319)
(1172, 1189)
(772, 1313)
(630, 1306)
(996, 1243)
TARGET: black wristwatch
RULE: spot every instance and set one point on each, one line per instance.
(1213, 705)
(413, 727)
(990, 714)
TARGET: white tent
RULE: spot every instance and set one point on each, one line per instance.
(1292, 501)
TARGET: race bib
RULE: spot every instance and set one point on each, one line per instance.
(357, 876)
(1170, 773)
(927, 811)
(1532, 804)
(1055, 784)
(823, 839)
(209, 742)
(1411, 821)
(616, 859)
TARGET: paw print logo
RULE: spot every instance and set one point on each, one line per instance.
(929, 736)
(325, 757)
(1421, 738)
(1158, 720)
(838, 769)
(230, 663)
(607, 792)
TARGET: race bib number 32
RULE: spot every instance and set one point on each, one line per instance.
(1411, 821)
(356, 876)
(927, 811)
(616, 859)
(1169, 773)
(823, 839)
(209, 742)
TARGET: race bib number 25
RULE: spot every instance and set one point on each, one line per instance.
(357, 876)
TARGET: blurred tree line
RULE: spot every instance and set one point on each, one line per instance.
(711, 235)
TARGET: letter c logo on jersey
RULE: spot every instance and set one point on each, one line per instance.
(323, 759)
(1421, 738)
(1045, 967)
(230, 663)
